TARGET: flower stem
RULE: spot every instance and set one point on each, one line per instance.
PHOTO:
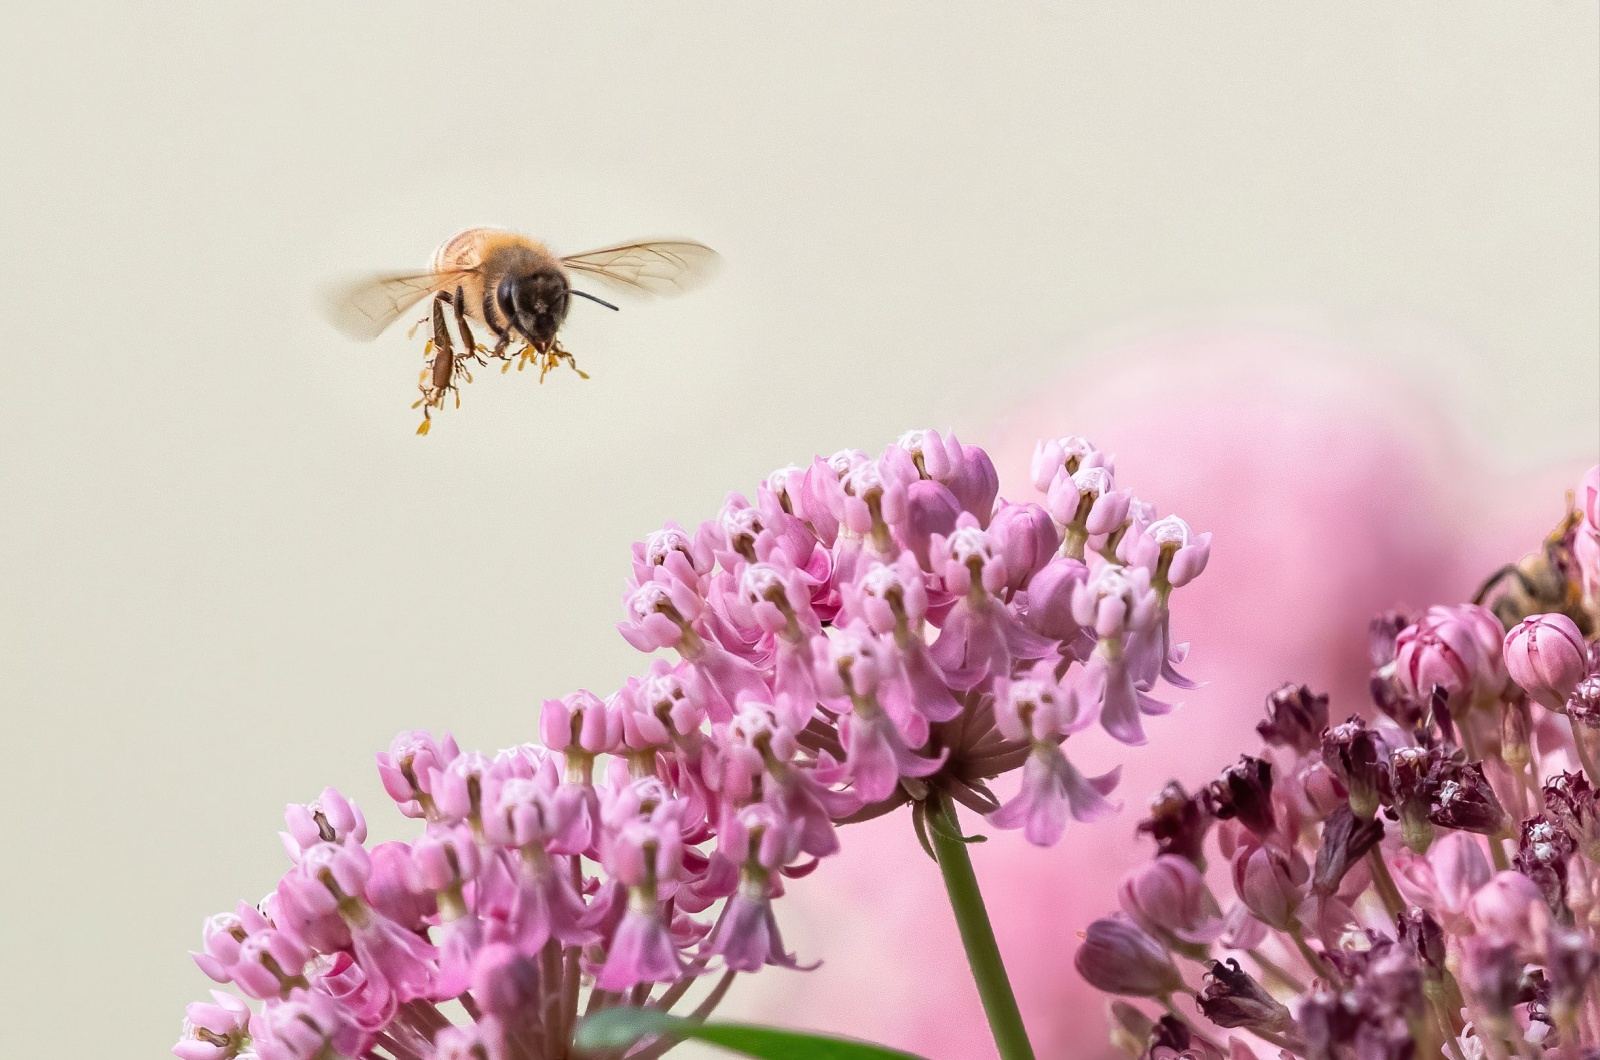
(1277, 972)
(1319, 967)
(1385, 885)
(1583, 753)
(983, 953)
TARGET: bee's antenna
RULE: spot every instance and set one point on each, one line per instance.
(592, 298)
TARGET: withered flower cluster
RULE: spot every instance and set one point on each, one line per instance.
(1419, 879)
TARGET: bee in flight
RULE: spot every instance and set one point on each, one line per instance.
(516, 288)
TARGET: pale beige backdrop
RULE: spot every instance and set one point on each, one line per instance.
(229, 572)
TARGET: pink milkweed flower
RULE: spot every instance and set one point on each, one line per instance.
(761, 841)
(1054, 455)
(392, 887)
(505, 982)
(1586, 537)
(1174, 556)
(877, 745)
(1048, 601)
(309, 1026)
(1088, 505)
(1039, 710)
(660, 612)
(1168, 898)
(458, 788)
(446, 861)
(669, 695)
(1508, 908)
(407, 769)
(1027, 539)
(1172, 553)
(1119, 957)
(1052, 787)
(580, 725)
(271, 964)
(540, 811)
(975, 482)
(930, 509)
(214, 1030)
(763, 532)
(965, 471)
(855, 664)
(641, 951)
(925, 454)
(545, 823)
(326, 889)
(341, 977)
(643, 854)
(891, 600)
(778, 601)
(1547, 657)
(981, 636)
(1115, 602)
(888, 598)
(1588, 499)
(481, 1040)
(331, 818)
(674, 550)
(1490, 635)
(1439, 651)
(221, 937)
(1270, 882)
(1444, 880)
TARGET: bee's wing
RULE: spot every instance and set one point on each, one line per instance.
(661, 266)
(364, 306)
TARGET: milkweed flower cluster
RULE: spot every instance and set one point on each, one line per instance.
(1420, 885)
(867, 633)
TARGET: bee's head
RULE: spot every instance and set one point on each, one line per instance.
(534, 304)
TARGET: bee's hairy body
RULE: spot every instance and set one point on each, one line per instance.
(505, 273)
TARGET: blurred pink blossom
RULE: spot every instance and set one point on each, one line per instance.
(1332, 490)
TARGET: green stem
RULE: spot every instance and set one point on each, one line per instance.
(1385, 883)
(1451, 1044)
(983, 953)
(1319, 967)
(1275, 971)
(1583, 753)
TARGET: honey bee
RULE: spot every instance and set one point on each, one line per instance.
(514, 286)
(1541, 582)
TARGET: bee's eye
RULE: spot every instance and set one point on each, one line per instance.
(506, 296)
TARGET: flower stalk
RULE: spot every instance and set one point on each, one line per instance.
(977, 936)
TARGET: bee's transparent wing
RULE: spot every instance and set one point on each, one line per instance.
(364, 306)
(659, 266)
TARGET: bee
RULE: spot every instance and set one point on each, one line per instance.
(516, 288)
(1541, 582)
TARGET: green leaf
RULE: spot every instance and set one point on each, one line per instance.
(619, 1028)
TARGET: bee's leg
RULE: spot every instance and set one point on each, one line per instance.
(1510, 570)
(441, 332)
(471, 344)
(559, 355)
(572, 362)
(425, 403)
(502, 335)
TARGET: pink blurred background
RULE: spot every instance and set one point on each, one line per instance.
(1334, 489)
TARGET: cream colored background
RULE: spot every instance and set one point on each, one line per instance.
(229, 571)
